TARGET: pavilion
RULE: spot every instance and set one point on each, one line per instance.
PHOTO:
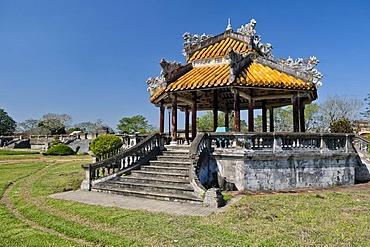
(230, 72)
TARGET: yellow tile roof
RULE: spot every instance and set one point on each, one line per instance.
(201, 77)
(259, 75)
(219, 49)
(253, 75)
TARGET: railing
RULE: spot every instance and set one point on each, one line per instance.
(284, 142)
(362, 143)
(123, 162)
(199, 149)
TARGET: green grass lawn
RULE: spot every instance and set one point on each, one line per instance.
(324, 219)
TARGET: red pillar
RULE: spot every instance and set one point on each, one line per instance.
(250, 116)
(227, 119)
(161, 118)
(264, 116)
(215, 110)
(295, 112)
(236, 111)
(187, 124)
(301, 116)
(272, 127)
(194, 116)
(174, 118)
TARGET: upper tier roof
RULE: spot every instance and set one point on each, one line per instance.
(220, 48)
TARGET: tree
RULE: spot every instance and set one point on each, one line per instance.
(283, 118)
(205, 122)
(312, 118)
(89, 127)
(339, 107)
(30, 126)
(134, 124)
(366, 113)
(341, 126)
(105, 146)
(7, 123)
(55, 124)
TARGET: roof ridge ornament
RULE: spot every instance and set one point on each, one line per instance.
(248, 29)
(255, 40)
(168, 68)
(304, 65)
(265, 49)
(229, 27)
(193, 40)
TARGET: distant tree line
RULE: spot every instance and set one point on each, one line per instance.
(318, 117)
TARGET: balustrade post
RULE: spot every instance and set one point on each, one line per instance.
(277, 144)
(86, 183)
(346, 147)
(323, 145)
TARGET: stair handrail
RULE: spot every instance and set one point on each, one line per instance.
(123, 162)
(198, 148)
(362, 143)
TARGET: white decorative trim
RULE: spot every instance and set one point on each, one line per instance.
(210, 61)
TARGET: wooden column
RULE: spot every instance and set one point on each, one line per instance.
(161, 118)
(295, 112)
(187, 124)
(250, 116)
(174, 119)
(215, 110)
(194, 116)
(301, 116)
(227, 119)
(271, 111)
(264, 116)
(236, 111)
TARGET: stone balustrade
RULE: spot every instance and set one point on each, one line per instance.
(259, 161)
(123, 162)
(284, 142)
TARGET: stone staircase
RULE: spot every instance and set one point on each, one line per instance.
(166, 178)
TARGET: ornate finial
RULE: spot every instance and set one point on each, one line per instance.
(229, 27)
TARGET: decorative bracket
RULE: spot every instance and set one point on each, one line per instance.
(237, 62)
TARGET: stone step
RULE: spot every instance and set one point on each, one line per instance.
(175, 153)
(177, 147)
(169, 163)
(149, 194)
(177, 189)
(173, 158)
(166, 169)
(167, 175)
(143, 179)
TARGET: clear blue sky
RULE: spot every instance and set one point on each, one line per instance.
(91, 59)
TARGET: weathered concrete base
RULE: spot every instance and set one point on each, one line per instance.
(213, 198)
(276, 171)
